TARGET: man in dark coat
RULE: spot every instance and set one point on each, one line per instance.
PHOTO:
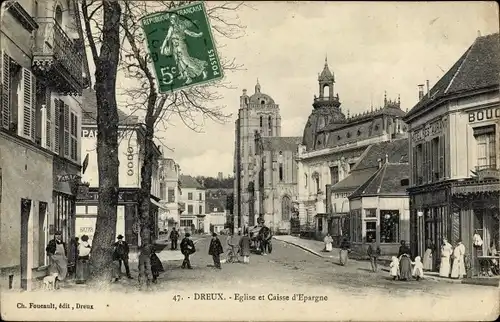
(374, 253)
(174, 236)
(187, 248)
(215, 249)
(120, 254)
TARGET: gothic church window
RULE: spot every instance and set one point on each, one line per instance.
(270, 124)
(286, 208)
(280, 166)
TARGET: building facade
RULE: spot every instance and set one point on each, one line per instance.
(275, 181)
(130, 155)
(43, 72)
(258, 113)
(454, 144)
(332, 144)
(170, 192)
(193, 203)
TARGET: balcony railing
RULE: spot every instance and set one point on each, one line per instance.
(57, 58)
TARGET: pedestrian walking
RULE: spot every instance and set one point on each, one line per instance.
(156, 267)
(458, 268)
(245, 248)
(328, 240)
(394, 271)
(418, 268)
(120, 254)
(145, 272)
(215, 249)
(404, 256)
(374, 254)
(82, 267)
(345, 248)
(187, 249)
(174, 236)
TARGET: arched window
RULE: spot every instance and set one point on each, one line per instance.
(58, 15)
(286, 208)
(305, 179)
(315, 177)
(262, 102)
(280, 166)
(326, 91)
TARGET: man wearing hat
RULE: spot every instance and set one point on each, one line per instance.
(187, 248)
(120, 254)
(215, 249)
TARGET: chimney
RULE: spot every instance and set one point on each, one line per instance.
(427, 82)
(479, 33)
(420, 91)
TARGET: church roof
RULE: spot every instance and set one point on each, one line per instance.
(281, 143)
(258, 97)
(385, 181)
(478, 67)
(89, 110)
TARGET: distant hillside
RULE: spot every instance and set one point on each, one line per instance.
(215, 183)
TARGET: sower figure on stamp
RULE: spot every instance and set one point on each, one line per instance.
(187, 248)
(120, 254)
(215, 249)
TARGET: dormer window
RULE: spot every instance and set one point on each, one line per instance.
(262, 102)
(338, 137)
(348, 134)
(376, 127)
(359, 132)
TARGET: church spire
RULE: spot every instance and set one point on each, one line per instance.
(257, 87)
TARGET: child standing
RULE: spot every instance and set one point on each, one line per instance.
(418, 268)
(394, 267)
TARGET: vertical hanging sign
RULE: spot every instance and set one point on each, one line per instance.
(181, 47)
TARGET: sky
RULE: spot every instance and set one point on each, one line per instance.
(371, 48)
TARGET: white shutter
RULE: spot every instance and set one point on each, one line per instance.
(57, 121)
(74, 140)
(27, 102)
(5, 108)
(33, 107)
(66, 130)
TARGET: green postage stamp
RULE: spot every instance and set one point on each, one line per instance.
(182, 48)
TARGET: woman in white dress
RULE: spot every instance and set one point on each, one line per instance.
(328, 240)
(458, 268)
(446, 250)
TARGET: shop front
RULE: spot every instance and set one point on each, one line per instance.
(475, 207)
(430, 220)
(127, 214)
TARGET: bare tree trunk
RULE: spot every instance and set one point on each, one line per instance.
(146, 179)
(107, 141)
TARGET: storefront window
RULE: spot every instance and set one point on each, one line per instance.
(389, 226)
(371, 230)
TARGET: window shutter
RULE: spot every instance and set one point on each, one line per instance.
(66, 130)
(441, 156)
(33, 106)
(27, 102)
(5, 108)
(74, 141)
(57, 121)
(48, 108)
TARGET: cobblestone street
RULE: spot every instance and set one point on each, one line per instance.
(290, 270)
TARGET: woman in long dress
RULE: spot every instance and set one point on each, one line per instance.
(56, 250)
(345, 246)
(444, 266)
(458, 268)
(427, 260)
(175, 45)
(404, 256)
(328, 240)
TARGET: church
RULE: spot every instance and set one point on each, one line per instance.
(264, 164)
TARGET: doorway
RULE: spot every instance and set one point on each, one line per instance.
(25, 215)
(42, 233)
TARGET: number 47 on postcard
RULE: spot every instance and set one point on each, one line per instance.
(182, 48)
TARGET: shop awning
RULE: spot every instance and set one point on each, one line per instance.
(157, 204)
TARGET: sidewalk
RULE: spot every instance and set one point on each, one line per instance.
(316, 247)
(165, 254)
